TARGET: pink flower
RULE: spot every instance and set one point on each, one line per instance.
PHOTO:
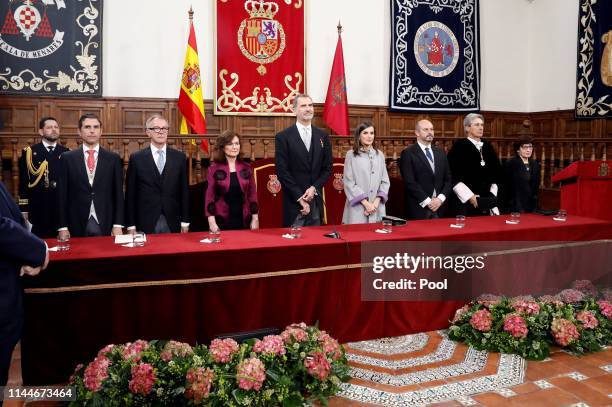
(271, 344)
(606, 293)
(481, 320)
(199, 382)
(588, 319)
(585, 287)
(330, 346)
(75, 374)
(526, 307)
(551, 299)
(174, 348)
(570, 296)
(460, 313)
(317, 365)
(564, 331)
(223, 349)
(106, 349)
(606, 308)
(516, 326)
(143, 378)
(295, 331)
(488, 300)
(134, 350)
(96, 372)
(251, 374)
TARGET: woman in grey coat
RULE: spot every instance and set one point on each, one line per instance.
(366, 182)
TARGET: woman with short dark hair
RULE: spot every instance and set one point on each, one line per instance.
(231, 196)
(522, 178)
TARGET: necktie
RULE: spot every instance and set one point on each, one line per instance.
(307, 138)
(428, 154)
(50, 149)
(91, 161)
(161, 160)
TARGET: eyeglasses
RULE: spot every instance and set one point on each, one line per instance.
(159, 129)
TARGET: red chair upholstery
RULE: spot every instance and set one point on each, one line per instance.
(269, 193)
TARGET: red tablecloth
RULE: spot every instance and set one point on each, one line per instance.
(176, 287)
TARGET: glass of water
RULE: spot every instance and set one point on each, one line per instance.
(139, 239)
(214, 236)
(460, 221)
(515, 218)
(296, 231)
(63, 243)
(387, 225)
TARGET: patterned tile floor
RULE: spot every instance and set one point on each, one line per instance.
(430, 370)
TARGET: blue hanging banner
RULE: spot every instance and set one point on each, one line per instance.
(51, 47)
(594, 72)
(435, 56)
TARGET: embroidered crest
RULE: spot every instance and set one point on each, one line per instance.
(603, 170)
(191, 78)
(436, 49)
(261, 38)
(273, 185)
(338, 182)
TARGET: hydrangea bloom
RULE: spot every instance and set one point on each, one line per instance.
(317, 365)
(272, 344)
(96, 372)
(564, 331)
(481, 320)
(570, 296)
(588, 319)
(143, 378)
(223, 349)
(606, 308)
(516, 326)
(173, 349)
(133, 350)
(251, 374)
(330, 345)
(585, 287)
(199, 382)
(295, 331)
(526, 307)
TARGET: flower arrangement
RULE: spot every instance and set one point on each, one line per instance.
(300, 366)
(572, 319)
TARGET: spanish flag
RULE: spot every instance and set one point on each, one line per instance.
(191, 101)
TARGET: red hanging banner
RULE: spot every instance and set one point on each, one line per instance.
(260, 56)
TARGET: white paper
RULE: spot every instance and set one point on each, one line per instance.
(511, 222)
(456, 226)
(288, 236)
(560, 219)
(129, 238)
(381, 231)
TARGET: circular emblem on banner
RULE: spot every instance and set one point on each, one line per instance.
(261, 38)
(28, 30)
(436, 49)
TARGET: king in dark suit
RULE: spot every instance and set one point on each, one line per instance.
(157, 191)
(21, 252)
(303, 163)
(91, 186)
(426, 175)
(38, 180)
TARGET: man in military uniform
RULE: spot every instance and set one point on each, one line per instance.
(38, 177)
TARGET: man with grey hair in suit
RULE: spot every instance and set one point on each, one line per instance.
(476, 171)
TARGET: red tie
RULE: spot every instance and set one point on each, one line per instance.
(91, 162)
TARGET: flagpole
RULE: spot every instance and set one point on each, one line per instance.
(190, 175)
(339, 28)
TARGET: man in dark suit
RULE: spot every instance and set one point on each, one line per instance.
(303, 163)
(426, 175)
(38, 177)
(157, 191)
(21, 253)
(91, 186)
(476, 171)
